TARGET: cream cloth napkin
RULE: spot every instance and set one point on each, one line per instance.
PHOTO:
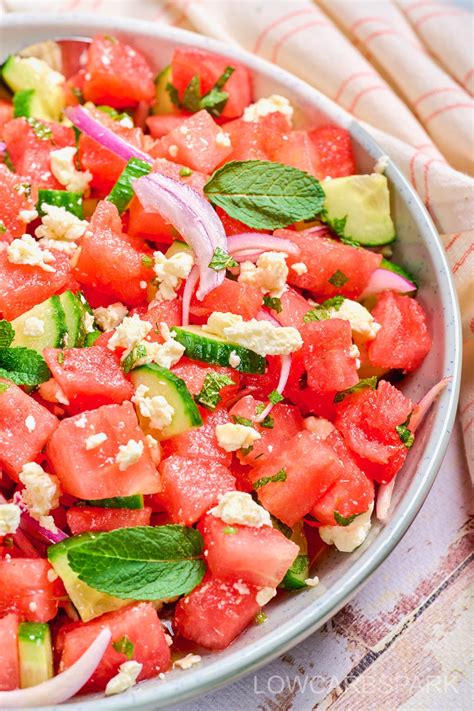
(404, 68)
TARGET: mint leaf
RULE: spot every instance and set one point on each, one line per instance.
(210, 395)
(275, 397)
(23, 366)
(406, 435)
(142, 563)
(364, 383)
(272, 302)
(265, 195)
(338, 279)
(173, 94)
(267, 422)
(185, 172)
(4, 387)
(3, 229)
(342, 520)
(214, 101)
(135, 354)
(322, 311)
(7, 333)
(242, 421)
(260, 618)
(279, 476)
(124, 646)
(40, 129)
(221, 260)
(192, 95)
(147, 261)
(229, 530)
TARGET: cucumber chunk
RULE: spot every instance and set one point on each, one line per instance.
(72, 202)
(298, 572)
(123, 192)
(163, 103)
(91, 338)
(75, 309)
(135, 501)
(35, 653)
(21, 73)
(209, 348)
(89, 603)
(26, 103)
(177, 247)
(357, 208)
(161, 381)
(50, 326)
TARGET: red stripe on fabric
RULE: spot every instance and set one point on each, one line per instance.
(73, 4)
(363, 20)
(278, 21)
(411, 166)
(440, 13)
(345, 83)
(295, 31)
(467, 77)
(444, 109)
(414, 5)
(379, 33)
(426, 170)
(469, 424)
(367, 90)
(466, 407)
(464, 257)
(433, 92)
(453, 240)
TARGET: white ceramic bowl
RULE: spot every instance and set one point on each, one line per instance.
(295, 616)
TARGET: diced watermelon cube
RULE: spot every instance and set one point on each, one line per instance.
(19, 445)
(27, 590)
(257, 140)
(231, 296)
(201, 441)
(194, 373)
(298, 150)
(13, 199)
(327, 356)
(9, 663)
(293, 307)
(81, 519)
(93, 473)
(161, 125)
(335, 157)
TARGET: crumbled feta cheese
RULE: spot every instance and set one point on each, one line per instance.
(26, 250)
(312, 582)
(126, 678)
(169, 271)
(64, 170)
(348, 538)
(81, 421)
(219, 320)
(173, 151)
(154, 449)
(129, 454)
(363, 324)
(354, 352)
(60, 397)
(33, 606)
(95, 440)
(60, 229)
(143, 284)
(233, 437)
(241, 588)
(165, 354)
(268, 105)
(129, 332)
(265, 595)
(381, 165)
(41, 493)
(108, 318)
(187, 662)
(239, 507)
(234, 360)
(319, 426)
(269, 274)
(88, 322)
(264, 338)
(30, 423)
(33, 326)
(156, 408)
(28, 215)
(223, 139)
(10, 515)
(300, 268)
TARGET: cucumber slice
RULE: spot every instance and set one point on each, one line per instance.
(26, 103)
(75, 310)
(91, 338)
(21, 73)
(177, 247)
(35, 653)
(206, 347)
(162, 381)
(135, 501)
(89, 603)
(386, 264)
(297, 573)
(51, 313)
(122, 192)
(163, 103)
(72, 202)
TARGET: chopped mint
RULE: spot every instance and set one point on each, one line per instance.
(7, 333)
(267, 422)
(221, 260)
(242, 421)
(23, 366)
(279, 476)
(4, 387)
(322, 311)
(406, 435)
(260, 618)
(214, 101)
(185, 172)
(60, 358)
(111, 38)
(246, 450)
(229, 530)
(78, 94)
(275, 397)
(124, 646)
(135, 354)
(364, 383)
(343, 520)
(210, 395)
(40, 129)
(147, 261)
(173, 94)
(3, 229)
(273, 302)
(338, 279)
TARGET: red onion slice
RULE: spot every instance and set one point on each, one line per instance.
(62, 686)
(103, 135)
(192, 216)
(285, 366)
(188, 292)
(258, 242)
(386, 280)
(34, 526)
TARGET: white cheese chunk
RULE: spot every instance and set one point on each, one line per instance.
(129, 454)
(348, 538)
(233, 437)
(269, 274)
(265, 595)
(26, 250)
(41, 493)
(126, 677)
(264, 338)
(157, 408)
(95, 440)
(239, 508)
(109, 317)
(27, 216)
(219, 320)
(300, 268)
(30, 423)
(187, 662)
(129, 332)
(268, 105)
(64, 170)
(60, 229)
(170, 270)
(363, 324)
(10, 515)
(234, 360)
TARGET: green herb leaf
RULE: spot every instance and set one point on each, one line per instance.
(40, 129)
(124, 646)
(185, 172)
(265, 195)
(60, 357)
(221, 260)
(111, 39)
(229, 530)
(238, 420)
(267, 422)
(279, 476)
(147, 261)
(342, 520)
(275, 397)
(143, 563)
(7, 333)
(323, 311)
(338, 279)
(4, 387)
(260, 618)
(406, 435)
(272, 302)
(210, 395)
(364, 383)
(135, 354)
(173, 94)
(123, 192)
(78, 94)
(246, 450)
(214, 101)
(3, 229)
(23, 366)
(192, 95)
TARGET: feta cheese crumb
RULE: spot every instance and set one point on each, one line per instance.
(33, 606)
(348, 538)
(312, 582)
(269, 274)
(154, 449)
(363, 324)
(234, 360)
(381, 164)
(64, 170)
(173, 151)
(81, 422)
(143, 284)
(157, 408)
(239, 507)
(269, 105)
(41, 493)
(28, 215)
(60, 397)
(354, 352)
(223, 139)
(95, 440)
(60, 229)
(125, 678)
(33, 326)
(219, 320)
(187, 662)
(30, 423)
(233, 437)
(265, 595)
(131, 331)
(300, 268)
(88, 322)
(264, 338)
(26, 250)
(108, 318)
(129, 454)
(169, 271)
(165, 354)
(241, 588)
(10, 515)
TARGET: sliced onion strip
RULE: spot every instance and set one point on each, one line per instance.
(258, 242)
(188, 292)
(386, 280)
(285, 366)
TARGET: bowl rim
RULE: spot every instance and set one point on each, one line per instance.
(155, 694)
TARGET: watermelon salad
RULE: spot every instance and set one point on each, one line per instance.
(202, 336)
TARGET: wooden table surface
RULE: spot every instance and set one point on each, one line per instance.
(405, 641)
